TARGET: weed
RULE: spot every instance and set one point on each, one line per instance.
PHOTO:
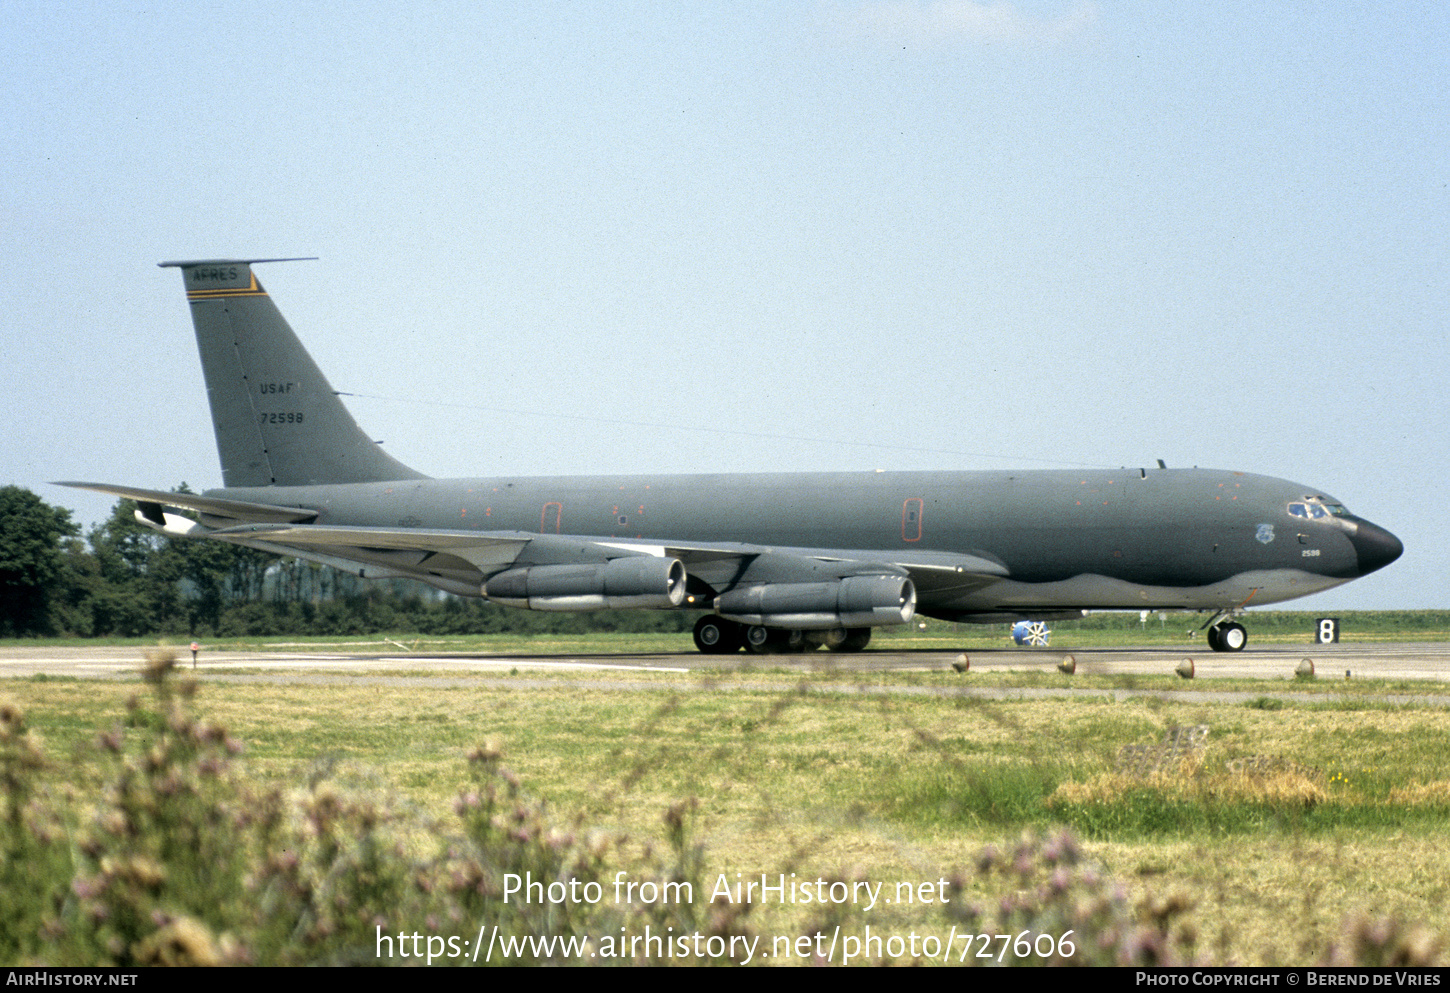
(1052, 889)
(1385, 941)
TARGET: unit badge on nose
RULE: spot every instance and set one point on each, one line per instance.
(1265, 534)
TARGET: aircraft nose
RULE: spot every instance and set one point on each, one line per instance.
(1374, 547)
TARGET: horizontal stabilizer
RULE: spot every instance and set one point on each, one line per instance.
(219, 511)
(201, 262)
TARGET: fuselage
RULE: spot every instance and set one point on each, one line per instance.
(1188, 538)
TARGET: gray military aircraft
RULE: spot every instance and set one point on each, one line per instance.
(783, 561)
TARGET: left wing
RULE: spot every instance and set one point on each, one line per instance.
(752, 584)
(540, 571)
(721, 565)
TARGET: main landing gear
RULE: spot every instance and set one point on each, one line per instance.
(717, 636)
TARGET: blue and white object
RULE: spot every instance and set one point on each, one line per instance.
(1032, 633)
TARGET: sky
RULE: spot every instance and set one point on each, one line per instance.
(561, 238)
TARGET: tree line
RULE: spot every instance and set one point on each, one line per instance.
(123, 579)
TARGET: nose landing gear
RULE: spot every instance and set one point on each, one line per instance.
(1227, 636)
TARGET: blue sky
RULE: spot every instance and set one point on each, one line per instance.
(578, 238)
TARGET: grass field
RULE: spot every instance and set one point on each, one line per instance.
(1302, 831)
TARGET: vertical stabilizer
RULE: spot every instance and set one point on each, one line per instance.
(277, 420)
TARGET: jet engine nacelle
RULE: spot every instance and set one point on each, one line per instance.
(638, 581)
(853, 602)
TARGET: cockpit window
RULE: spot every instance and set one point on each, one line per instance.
(1315, 510)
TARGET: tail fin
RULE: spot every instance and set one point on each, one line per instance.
(277, 420)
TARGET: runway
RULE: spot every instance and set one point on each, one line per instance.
(1420, 661)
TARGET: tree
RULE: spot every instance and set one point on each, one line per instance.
(122, 587)
(31, 564)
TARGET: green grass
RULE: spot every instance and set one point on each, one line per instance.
(792, 777)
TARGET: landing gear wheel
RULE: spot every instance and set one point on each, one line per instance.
(855, 640)
(761, 640)
(796, 642)
(717, 636)
(758, 640)
(1227, 637)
